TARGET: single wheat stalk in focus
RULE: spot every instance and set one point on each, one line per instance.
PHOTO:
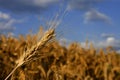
(31, 53)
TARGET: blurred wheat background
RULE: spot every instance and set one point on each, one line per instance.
(58, 62)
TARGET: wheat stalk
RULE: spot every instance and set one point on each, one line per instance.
(31, 53)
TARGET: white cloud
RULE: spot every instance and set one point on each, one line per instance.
(105, 35)
(7, 23)
(4, 16)
(92, 15)
(82, 4)
(44, 3)
(110, 41)
(95, 16)
(105, 43)
(10, 34)
(64, 41)
(118, 51)
(7, 26)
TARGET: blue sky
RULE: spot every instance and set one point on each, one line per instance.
(95, 20)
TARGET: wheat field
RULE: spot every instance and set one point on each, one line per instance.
(41, 57)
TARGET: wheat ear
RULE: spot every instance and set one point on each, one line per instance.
(31, 53)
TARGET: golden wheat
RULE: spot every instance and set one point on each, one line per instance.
(55, 61)
(31, 53)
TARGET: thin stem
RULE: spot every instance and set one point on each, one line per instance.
(11, 72)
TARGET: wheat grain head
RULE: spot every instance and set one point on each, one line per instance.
(31, 53)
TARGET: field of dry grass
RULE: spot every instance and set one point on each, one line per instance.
(53, 61)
